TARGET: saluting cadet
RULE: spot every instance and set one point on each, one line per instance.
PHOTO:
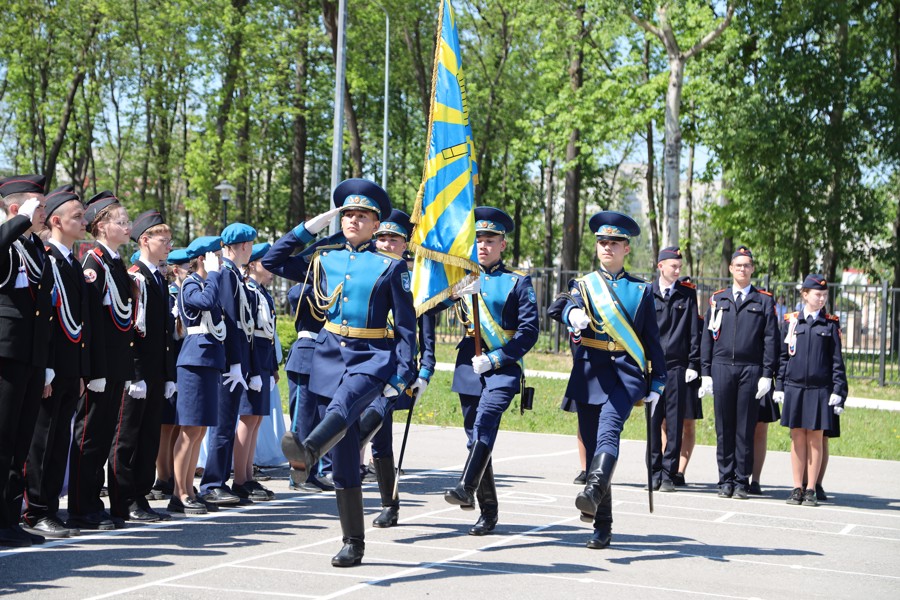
(109, 291)
(255, 403)
(354, 361)
(201, 362)
(811, 382)
(619, 360)
(678, 319)
(235, 300)
(133, 456)
(487, 382)
(46, 465)
(739, 356)
(25, 284)
(375, 423)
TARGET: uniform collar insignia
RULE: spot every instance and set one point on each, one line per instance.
(361, 248)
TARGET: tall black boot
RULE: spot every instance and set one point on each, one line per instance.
(307, 452)
(369, 424)
(464, 492)
(598, 480)
(387, 476)
(602, 523)
(350, 511)
(487, 502)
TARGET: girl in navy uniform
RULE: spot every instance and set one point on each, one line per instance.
(811, 382)
(200, 365)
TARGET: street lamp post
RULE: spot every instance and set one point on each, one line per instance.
(225, 189)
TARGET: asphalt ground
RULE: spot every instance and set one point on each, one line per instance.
(693, 545)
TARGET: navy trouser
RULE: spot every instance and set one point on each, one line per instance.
(736, 409)
(482, 414)
(600, 425)
(220, 456)
(671, 406)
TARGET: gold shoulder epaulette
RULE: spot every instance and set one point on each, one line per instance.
(518, 272)
(389, 254)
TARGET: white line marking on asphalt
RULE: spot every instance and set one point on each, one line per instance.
(724, 517)
(206, 588)
(847, 529)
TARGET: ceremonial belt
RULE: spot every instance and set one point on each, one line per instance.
(303, 334)
(508, 332)
(607, 345)
(261, 333)
(390, 334)
(201, 329)
(356, 332)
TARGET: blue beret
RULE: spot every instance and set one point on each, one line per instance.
(396, 224)
(237, 233)
(143, 222)
(669, 252)
(259, 250)
(202, 245)
(58, 197)
(492, 220)
(179, 257)
(98, 203)
(613, 225)
(815, 281)
(362, 194)
(19, 184)
(135, 257)
(742, 251)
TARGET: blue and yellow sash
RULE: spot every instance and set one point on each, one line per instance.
(607, 311)
(493, 335)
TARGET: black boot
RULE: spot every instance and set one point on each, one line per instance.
(598, 480)
(307, 453)
(384, 470)
(350, 511)
(602, 524)
(464, 492)
(369, 424)
(487, 502)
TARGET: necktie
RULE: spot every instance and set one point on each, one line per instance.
(666, 295)
(738, 298)
(71, 259)
(160, 282)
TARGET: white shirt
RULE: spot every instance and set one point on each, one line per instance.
(66, 252)
(743, 291)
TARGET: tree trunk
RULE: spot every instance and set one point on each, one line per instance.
(689, 205)
(673, 149)
(548, 208)
(833, 244)
(297, 205)
(651, 165)
(573, 169)
(413, 41)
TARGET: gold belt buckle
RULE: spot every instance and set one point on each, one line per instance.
(345, 331)
(611, 346)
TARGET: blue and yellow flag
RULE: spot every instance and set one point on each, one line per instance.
(444, 237)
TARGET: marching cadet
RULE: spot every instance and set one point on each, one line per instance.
(812, 384)
(739, 356)
(678, 320)
(201, 362)
(487, 382)
(619, 360)
(234, 298)
(136, 445)
(255, 403)
(375, 423)
(25, 284)
(109, 291)
(306, 411)
(354, 361)
(46, 464)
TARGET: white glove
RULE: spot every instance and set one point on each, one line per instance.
(28, 207)
(651, 399)
(317, 224)
(778, 397)
(578, 319)
(234, 377)
(690, 375)
(706, 386)
(469, 289)
(255, 383)
(838, 409)
(481, 364)
(170, 389)
(211, 262)
(175, 310)
(49, 374)
(138, 390)
(763, 386)
(97, 385)
(272, 382)
(418, 388)
(389, 391)
(834, 400)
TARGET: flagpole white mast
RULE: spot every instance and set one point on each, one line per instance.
(337, 142)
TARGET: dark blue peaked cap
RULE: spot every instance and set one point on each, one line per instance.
(492, 220)
(613, 225)
(397, 224)
(362, 194)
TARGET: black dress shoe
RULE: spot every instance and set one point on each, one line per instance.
(740, 493)
(581, 478)
(796, 497)
(726, 490)
(484, 525)
(255, 485)
(188, 506)
(139, 515)
(820, 494)
(119, 522)
(35, 539)
(246, 492)
(49, 527)
(10, 538)
(601, 538)
(161, 490)
(221, 496)
(755, 489)
(678, 480)
(94, 522)
(666, 486)
(350, 555)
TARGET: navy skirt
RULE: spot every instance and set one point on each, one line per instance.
(807, 408)
(168, 410)
(198, 396)
(257, 404)
(768, 409)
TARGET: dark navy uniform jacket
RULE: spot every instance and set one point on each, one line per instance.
(112, 353)
(747, 335)
(198, 296)
(596, 372)
(154, 354)
(71, 353)
(237, 344)
(678, 319)
(25, 311)
(817, 361)
(372, 285)
(263, 348)
(510, 298)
